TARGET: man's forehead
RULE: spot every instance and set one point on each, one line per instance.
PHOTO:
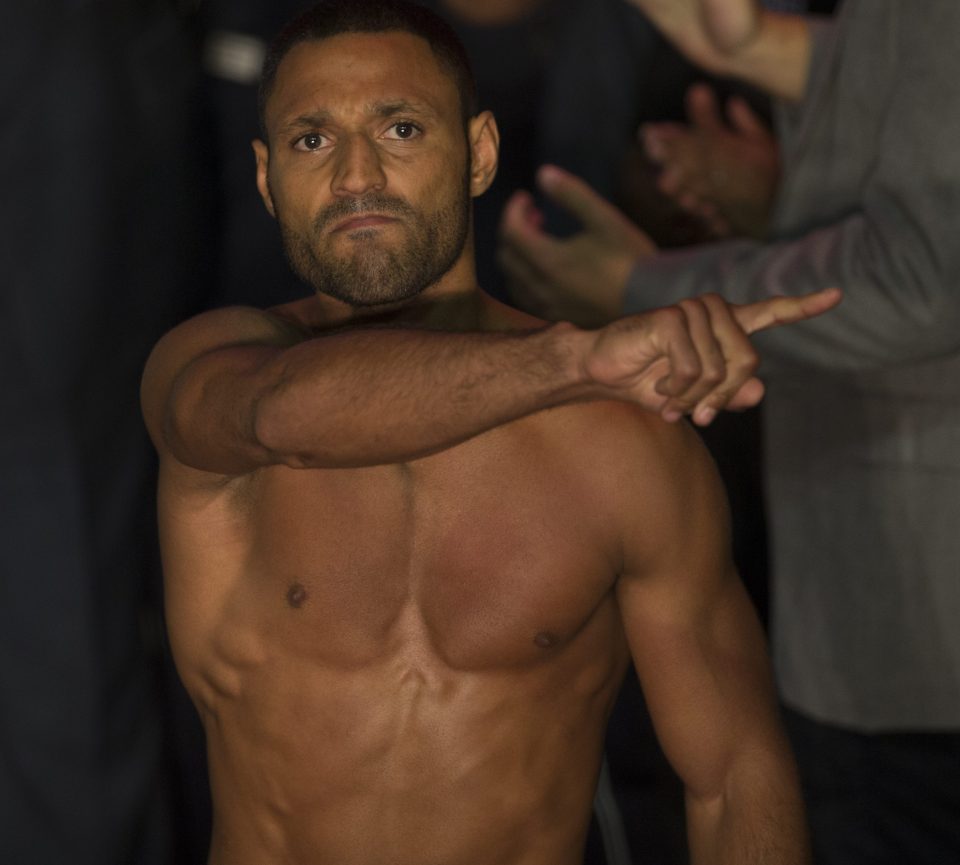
(361, 70)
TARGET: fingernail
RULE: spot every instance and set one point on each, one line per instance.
(671, 415)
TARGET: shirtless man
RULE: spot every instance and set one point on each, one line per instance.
(412, 538)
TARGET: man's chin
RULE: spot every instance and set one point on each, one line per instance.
(383, 299)
(368, 287)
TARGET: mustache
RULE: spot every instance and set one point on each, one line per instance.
(373, 202)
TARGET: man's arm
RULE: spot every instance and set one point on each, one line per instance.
(738, 39)
(237, 389)
(702, 661)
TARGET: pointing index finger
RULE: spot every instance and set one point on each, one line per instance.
(785, 310)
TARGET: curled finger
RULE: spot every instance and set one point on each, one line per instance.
(738, 384)
(711, 360)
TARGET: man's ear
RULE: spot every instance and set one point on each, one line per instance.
(484, 140)
(262, 152)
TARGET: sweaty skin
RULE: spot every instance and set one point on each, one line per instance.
(404, 579)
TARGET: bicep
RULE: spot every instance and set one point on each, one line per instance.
(694, 635)
(706, 678)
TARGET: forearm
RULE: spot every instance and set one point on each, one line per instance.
(736, 38)
(758, 820)
(777, 59)
(377, 396)
(373, 396)
(896, 306)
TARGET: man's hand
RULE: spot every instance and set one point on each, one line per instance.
(693, 358)
(581, 278)
(725, 174)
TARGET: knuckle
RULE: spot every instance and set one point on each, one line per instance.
(712, 299)
(673, 316)
(747, 361)
(714, 374)
(720, 397)
(687, 371)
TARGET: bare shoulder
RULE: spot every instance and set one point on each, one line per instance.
(626, 440)
(662, 484)
(211, 331)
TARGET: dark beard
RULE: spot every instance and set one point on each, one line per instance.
(372, 274)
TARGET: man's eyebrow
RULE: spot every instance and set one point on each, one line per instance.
(392, 108)
(305, 121)
(401, 106)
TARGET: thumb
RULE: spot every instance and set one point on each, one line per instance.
(703, 110)
(749, 394)
(521, 216)
(578, 198)
(745, 120)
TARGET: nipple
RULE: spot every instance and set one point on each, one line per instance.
(545, 640)
(296, 596)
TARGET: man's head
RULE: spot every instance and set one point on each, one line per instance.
(371, 151)
(334, 17)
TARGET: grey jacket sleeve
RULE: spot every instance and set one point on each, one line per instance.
(894, 248)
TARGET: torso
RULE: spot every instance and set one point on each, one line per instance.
(409, 663)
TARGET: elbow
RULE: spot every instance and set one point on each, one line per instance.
(919, 278)
(177, 420)
(943, 323)
(282, 432)
(927, 326)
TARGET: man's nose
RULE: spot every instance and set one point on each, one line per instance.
(358, 167)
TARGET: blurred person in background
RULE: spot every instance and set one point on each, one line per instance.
(861, 420)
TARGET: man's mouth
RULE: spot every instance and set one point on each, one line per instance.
(362, 221)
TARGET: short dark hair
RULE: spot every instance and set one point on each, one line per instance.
(334, 17)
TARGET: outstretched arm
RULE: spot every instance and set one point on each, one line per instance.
(739, 39)
(236, 389)
(702, 661)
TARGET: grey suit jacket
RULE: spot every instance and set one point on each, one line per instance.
(863, 410)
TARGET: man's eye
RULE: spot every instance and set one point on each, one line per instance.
(403, 131)
(313, 141)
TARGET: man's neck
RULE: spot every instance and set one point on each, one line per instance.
(435, 308)
(451, 311)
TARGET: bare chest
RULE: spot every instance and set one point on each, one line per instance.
(483, 559)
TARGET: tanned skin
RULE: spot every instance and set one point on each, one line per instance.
(410, 549)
